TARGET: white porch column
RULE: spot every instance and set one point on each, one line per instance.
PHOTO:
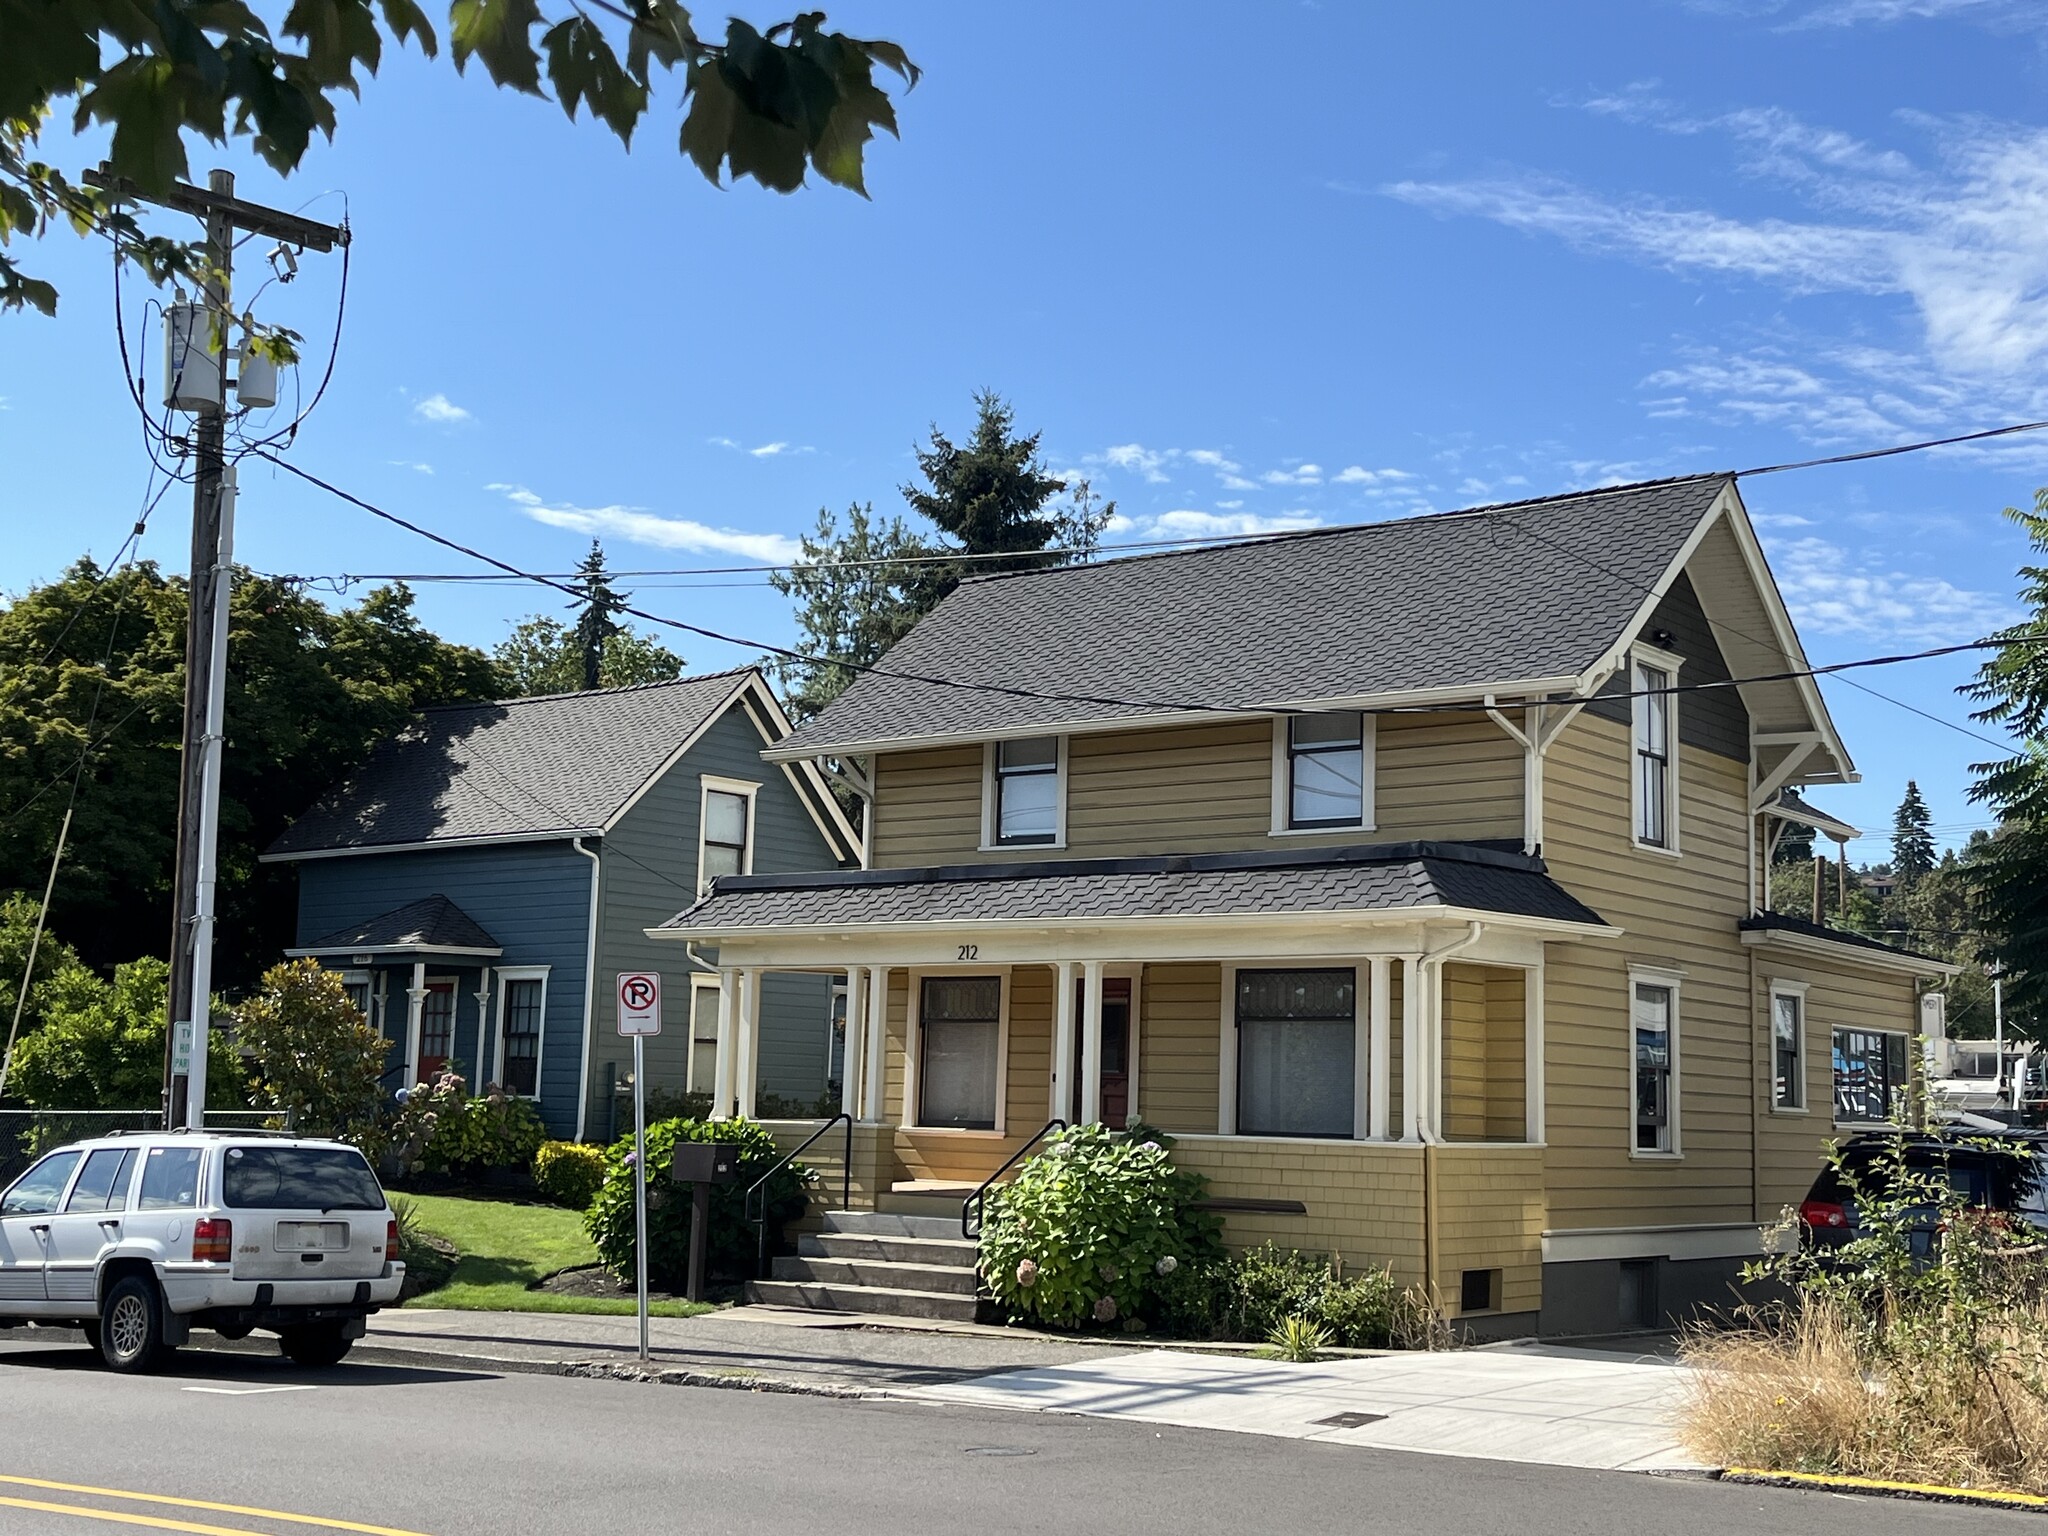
(415, 1006)
(1532, 1044)
(875, 1079)
(1091, 1042)
(852, 1054)
(722, 1083)
(483, 1014)
(1411, 1048)
(1380, 1092)
(750, 1039)
(1065, 974)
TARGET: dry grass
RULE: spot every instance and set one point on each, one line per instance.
(1964, 1407)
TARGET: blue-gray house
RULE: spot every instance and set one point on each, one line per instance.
(483, 878)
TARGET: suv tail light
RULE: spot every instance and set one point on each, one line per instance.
(1824, 1215)
(213, 1240)
(391, 1238)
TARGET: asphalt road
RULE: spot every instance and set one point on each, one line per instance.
(384, 1450)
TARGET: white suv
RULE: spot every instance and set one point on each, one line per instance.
(136, 1239)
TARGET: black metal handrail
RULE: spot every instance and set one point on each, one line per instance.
(971, 1207)
(760, 1218)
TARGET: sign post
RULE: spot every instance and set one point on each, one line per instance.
(639, 1017)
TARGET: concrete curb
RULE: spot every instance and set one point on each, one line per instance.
(1933, 1493)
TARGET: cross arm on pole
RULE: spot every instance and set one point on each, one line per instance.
(253, 217)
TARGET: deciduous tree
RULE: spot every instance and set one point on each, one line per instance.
(311, 1055)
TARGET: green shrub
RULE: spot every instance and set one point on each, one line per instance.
(1274, 1284)
(1090, 1227)
(1363, 1311)
(570, 1173)
(442, 1128)
(1249, 1296)
(732, 1237)
(1299, 1339)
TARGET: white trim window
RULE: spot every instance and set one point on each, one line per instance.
(361, 991)
(522, 1028)
(1024, 796)
(701, 1071)
(1653, 749)
(1297, 1044)
(1871, 1076)
(1788, 1047)
(1653, 1064)
(437, 1028)
(725, 829)
(960, 1052)
(1322, 772)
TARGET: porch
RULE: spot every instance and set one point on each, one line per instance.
(1364, 1080)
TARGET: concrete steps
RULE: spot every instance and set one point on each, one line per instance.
(890, 1263)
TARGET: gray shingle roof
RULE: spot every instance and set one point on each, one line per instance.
(1494, 595)
(432, 923)
(564, 763)
(1359, 879)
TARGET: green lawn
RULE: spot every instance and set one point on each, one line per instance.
(506, 1247)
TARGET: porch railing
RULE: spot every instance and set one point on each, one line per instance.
(756, 1209)
(972, 1208)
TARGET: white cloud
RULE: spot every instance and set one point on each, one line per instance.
(772, 450)
(1138, 459)
(424, 469)
(1232, 482)
(1209, 458)
(1353, 474)
(1834, 592)
(1186, 523)
(638, 526)
(2000, 14)
(440, 410)
(1962, 237)
(1299, 474)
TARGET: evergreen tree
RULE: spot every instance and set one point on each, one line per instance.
(595, 622)
(1912, 842)
(2011, 869)
(859, 591)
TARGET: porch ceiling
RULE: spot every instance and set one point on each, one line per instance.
(1422, 880)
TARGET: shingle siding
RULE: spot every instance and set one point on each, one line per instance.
(650, 874)
(533, 898)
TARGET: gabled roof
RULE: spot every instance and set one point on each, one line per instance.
(1452, 878)
(562, 765)
(1793, 807)
(1522, 597)
(434, 925)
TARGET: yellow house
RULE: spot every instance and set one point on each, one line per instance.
(1410, 875)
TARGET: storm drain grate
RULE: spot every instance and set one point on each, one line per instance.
(1350, 1420)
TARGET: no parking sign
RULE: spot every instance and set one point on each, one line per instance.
(639, 1002)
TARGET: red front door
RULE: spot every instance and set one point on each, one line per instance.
(1116, 1046)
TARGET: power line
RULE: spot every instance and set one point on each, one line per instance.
(1897, 448)
(1176, 705)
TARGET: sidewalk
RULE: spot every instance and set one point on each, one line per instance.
(767, 1347)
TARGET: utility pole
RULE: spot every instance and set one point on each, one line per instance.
(206, 621)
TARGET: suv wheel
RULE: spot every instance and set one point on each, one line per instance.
(131, 1325)
(315, 1343)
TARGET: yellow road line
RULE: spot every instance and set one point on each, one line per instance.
(1881, 1485)
(120, 1517)
(162, 1498)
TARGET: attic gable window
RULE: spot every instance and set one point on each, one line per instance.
(1024, 792)
(1653, 749)
(1322, 771)
(725, 844)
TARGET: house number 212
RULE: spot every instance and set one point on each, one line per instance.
(970, 951)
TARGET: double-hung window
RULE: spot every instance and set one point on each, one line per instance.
(726, 831)
(960, 1029)
(1788, 1046)
(703, 1068)
(1327, 756)
(1024, 792)
(1870, 1075)
(1654, 785)
(1297, 1039)
(1653, 1031)
(524, 1002)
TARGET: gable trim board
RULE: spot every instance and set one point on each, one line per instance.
(433, 844)
(1882, 956)
(589, 992)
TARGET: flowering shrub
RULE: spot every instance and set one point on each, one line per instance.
(732, 1239)
(1089, 1228)
(569, 1173)
(442, 1128)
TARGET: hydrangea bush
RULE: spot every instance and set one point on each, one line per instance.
(443, 1128)
(1091, 1227)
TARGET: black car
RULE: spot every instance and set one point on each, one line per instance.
(2005, 1172)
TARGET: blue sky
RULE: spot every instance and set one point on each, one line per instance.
(1248, 266)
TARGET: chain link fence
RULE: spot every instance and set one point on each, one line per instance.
(26, 1134)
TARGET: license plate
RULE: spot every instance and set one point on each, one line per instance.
(312, 1237)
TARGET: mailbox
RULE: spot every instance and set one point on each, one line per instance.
(705, 1162)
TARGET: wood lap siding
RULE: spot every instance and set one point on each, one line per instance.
(1204, 789)
(1680, 913)
(1484, 1063)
